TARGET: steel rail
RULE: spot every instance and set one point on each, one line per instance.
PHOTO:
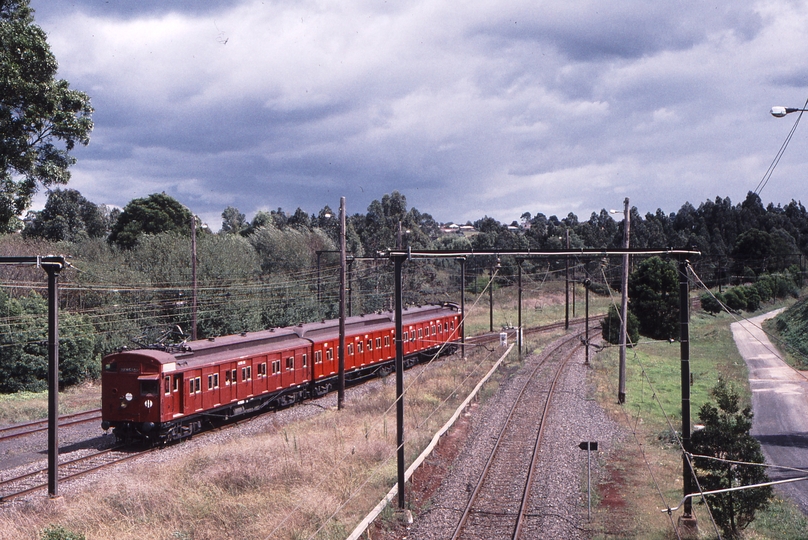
(65, 467)
(462, 522)
(35, 426)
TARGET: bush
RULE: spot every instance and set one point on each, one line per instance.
(712, 303)
(735, 299)
(57, 532)
(610, 327)
(726, 436)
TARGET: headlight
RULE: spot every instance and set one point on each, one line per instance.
(128, 396)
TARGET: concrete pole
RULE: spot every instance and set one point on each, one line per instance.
(621, 391)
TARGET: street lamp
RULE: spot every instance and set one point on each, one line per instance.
(779, 112)
(621, 390)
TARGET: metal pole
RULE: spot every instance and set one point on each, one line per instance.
(53, 379)
(341, 373)
(399, 261)
(586, 287)
(621, 391)
(193, 277)
(491, 299)
(684, 350)
(519, 309)
(567, 284)
(463, 307)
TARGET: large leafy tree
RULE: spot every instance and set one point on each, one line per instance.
(67, 216)
(654, 298)
(155, 214)
(41, 118)
(726, 436)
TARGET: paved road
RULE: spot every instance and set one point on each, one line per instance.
(780, 404)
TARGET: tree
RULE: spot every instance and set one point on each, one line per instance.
(155, 214)
(41, 118)
(726, 436)
(233, 221)
(610, 327)
(654, 298)
(67, 216)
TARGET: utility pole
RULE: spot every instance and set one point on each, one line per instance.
(567, 285)
(342, 267)
(193, 277)
(621, 391)
(688, 520)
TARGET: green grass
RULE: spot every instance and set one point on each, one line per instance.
(25, 406)
(654, 406)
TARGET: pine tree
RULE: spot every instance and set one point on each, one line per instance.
(726, 436)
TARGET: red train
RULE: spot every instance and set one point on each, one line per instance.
(159, 395)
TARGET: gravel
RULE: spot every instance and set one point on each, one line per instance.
(558, 505)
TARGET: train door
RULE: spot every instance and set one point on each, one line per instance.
(168, 409)
(244, 373)
(226, 392)
(193, 394)
(177, 394)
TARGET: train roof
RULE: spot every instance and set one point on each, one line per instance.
(204, 351)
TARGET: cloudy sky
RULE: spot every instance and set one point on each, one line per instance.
(469, 108)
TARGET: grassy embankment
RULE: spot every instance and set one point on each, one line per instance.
(287, 481)
(652, 406)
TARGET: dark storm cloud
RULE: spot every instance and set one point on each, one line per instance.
(469, 110)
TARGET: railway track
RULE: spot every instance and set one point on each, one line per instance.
(23, 484)
(29, 428)
(497, 504)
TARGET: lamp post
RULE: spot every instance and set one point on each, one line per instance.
(621, 387)
(779, 112)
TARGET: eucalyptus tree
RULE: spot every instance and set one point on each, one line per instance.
(41, 117)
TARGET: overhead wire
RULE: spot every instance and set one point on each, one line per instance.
(768, 174)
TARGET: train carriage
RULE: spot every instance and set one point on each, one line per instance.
(165, 394)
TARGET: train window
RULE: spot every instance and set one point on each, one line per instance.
(420, 333)
(167, 385)
(233, 376)
(112, 366)
(359, 347)
(246, 373)
(276, 367)
(262, 369)
(329, 354)
(177, 382)
(290, 363)
(149, 387)
(198, 384)
(227, 378)
(191, 386)
(452, 325)
(350, 349)
(216, 380)
(378, 343)
(318, 357)
(433, 331)
(406, 336)
(386, 341)
(305, 360)
(210, 382)
(445, 327)
(370, 345)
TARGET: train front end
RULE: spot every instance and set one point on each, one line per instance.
(131, 394)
